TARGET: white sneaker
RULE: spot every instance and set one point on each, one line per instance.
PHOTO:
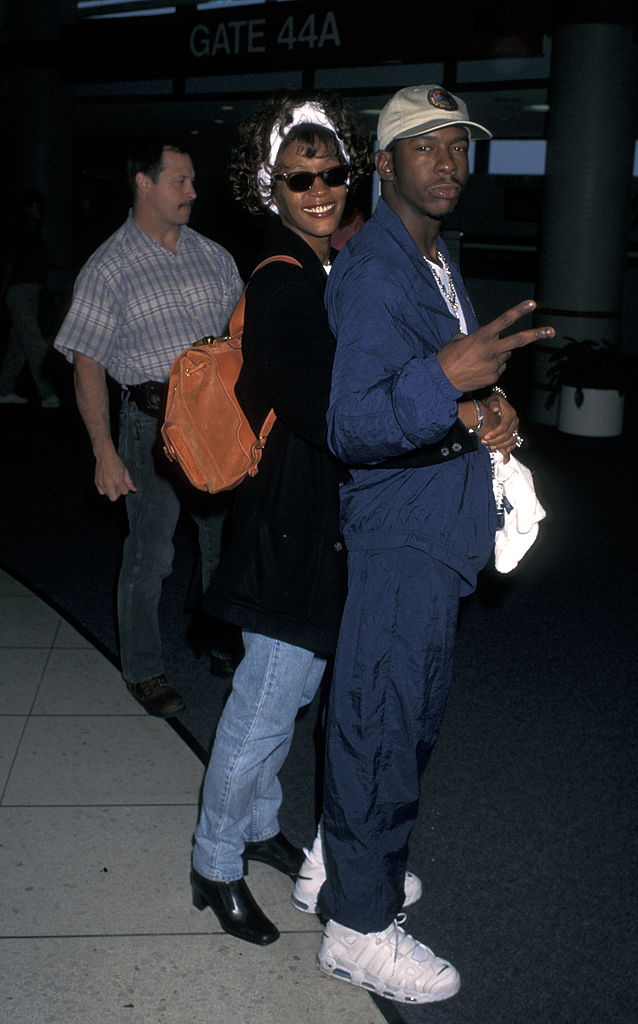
(390, 963)
(313, 874)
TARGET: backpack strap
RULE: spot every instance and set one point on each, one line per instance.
(274, 259)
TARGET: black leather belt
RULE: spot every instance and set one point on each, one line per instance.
(149, 396)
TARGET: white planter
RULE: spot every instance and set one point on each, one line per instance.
(600, 415)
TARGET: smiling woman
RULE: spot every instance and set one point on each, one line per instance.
(310, 187)
(282, 577)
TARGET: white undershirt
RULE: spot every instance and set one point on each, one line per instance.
(444, 286)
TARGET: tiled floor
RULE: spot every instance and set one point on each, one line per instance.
(98, 802)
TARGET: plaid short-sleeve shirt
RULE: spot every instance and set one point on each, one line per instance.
(136, 305)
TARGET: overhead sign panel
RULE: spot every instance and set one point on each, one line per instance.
(266, 37)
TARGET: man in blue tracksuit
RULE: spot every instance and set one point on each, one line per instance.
(419, 520)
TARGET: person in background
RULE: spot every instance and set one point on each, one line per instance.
(149, 291)
(282, 576)
(24, 273)
(412, 416)
(349, 226)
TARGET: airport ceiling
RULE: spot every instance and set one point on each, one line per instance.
(202, 72)
(512, 113)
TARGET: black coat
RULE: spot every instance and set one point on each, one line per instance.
(283, 571)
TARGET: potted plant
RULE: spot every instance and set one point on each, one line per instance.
(590, 380)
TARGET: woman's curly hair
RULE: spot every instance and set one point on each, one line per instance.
(253, 149)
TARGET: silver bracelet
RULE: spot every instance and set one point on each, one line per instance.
(499, 391)
(479, 413)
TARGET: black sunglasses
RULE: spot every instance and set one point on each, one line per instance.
(302, 181)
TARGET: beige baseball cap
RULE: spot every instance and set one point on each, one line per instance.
(424, 108)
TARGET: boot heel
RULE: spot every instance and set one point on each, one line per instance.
(199, 900)
(235, 908)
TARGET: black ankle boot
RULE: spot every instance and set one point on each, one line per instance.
(234, 905)
(277, 852)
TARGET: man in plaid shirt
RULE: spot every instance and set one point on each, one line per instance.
(148, 292)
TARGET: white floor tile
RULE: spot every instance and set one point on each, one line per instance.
(21, 670)
(176, 980)
(80, 681)
(98, 871)
(115, 871)
(25, 621)
(102, 760)
(97, 924)
(11, 728)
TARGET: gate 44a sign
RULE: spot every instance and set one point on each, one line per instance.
(273, 36)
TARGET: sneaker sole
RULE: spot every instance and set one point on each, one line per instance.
(358, 978)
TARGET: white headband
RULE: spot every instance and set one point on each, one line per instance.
(307, 113)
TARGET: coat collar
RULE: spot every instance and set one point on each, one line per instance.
(395, 227)
(280, 239)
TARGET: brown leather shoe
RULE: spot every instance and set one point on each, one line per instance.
(157, 696)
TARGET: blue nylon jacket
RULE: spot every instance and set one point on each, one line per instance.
(390, 397)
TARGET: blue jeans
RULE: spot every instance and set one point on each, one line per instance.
(153, 511)
(242, 792)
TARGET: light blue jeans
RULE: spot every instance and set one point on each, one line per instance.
(242, 792)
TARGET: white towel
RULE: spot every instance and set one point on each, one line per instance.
(520, 530)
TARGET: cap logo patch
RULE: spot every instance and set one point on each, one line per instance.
(442, 99)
